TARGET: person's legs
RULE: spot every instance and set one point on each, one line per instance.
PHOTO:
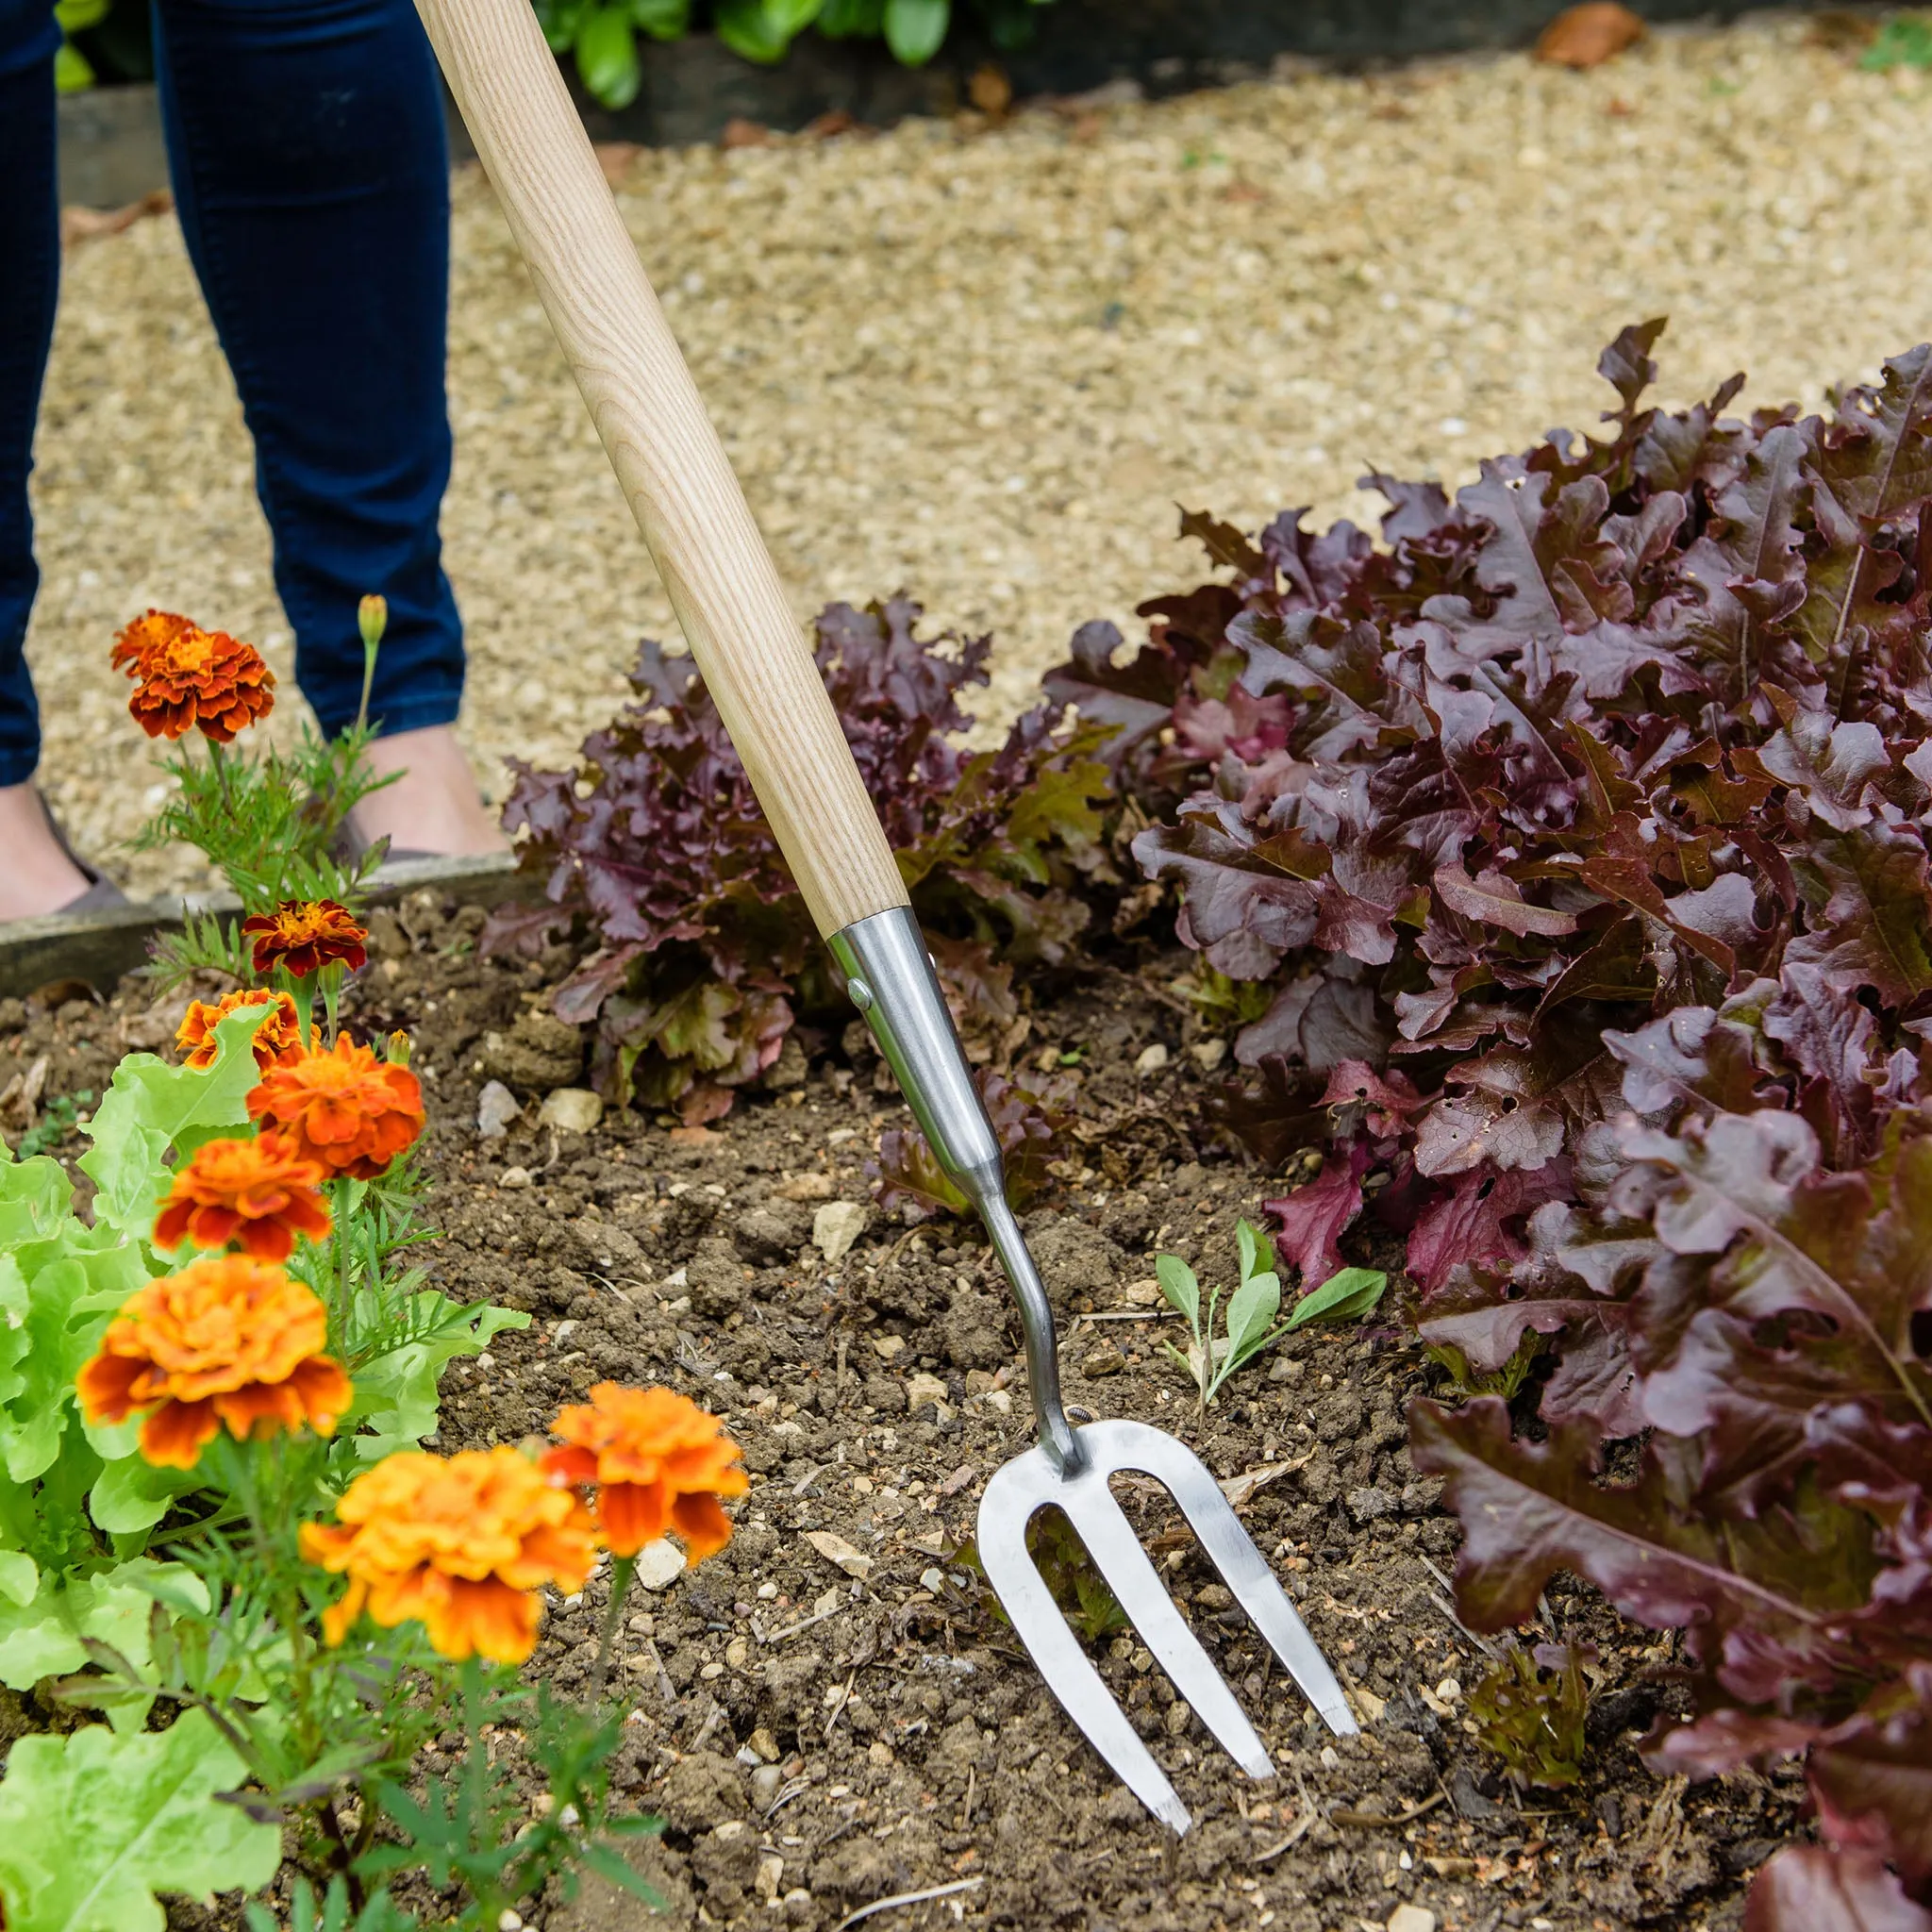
(307, 144)
(37, 876)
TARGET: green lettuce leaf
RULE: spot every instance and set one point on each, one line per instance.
(152, 1107)
(41, 1637)
(396, 1391)
(94, 1824)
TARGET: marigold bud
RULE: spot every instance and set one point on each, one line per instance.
(372, 620)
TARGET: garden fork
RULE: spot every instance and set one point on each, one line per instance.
(734, 613)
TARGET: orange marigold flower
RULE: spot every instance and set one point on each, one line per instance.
(660, 1464)
(228, 1341)
(278, 1037)
(261, 1194)
(151, 632)
(460, 1544)
(347, 1109)
(188, 678)
(305, 935)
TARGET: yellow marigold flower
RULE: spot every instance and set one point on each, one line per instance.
(458, 1544)
(305, 936)
(278, 1038)
(660, 1464)
(228, 1341)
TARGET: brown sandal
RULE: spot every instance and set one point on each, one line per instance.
(102, 895)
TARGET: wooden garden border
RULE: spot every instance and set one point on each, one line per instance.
(96, 948)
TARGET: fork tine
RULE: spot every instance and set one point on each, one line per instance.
(1009, 1504)
(1170, 1464)
(1116, 1551)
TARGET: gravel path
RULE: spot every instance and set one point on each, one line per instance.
(984, 363)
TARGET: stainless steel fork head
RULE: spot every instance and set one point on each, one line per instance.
(892, 983)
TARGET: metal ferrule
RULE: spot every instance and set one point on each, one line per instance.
(891, 977)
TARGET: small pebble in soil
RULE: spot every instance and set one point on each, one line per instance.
(836, 1226)
(923, 1389)
(496, 1107)
(659, 1564)
(571, 1110)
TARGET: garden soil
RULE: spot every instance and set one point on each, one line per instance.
(981, 362)
(830, 1713)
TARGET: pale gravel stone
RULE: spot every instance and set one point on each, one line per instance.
(836, 1226)
(922, 1388)
(496, 1106)
(983, 365)
(572, 1109)
(659, 1564)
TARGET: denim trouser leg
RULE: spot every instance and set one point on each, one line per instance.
(307, 145)
(29, 280)
(305, 141)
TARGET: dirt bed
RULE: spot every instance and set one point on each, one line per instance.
(981, 363)
(820, 1740)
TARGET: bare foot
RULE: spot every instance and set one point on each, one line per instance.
(37, 877)
(434, 806)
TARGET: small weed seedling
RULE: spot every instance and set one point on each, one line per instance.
(1067, 1570)
(1250, 1321)
(1466, 1382)
(1529, 1710)
(59, 1119)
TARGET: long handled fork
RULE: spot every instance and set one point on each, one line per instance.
(726, 592)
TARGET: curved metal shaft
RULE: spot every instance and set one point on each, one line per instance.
(892, 983)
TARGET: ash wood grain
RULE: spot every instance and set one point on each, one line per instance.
(679, 484)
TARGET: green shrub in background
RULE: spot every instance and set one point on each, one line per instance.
(71, 71)
(603, 34)
(1904, 41)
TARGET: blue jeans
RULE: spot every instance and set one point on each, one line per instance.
(307, 144)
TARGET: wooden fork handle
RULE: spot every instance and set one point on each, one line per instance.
(723, 583)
